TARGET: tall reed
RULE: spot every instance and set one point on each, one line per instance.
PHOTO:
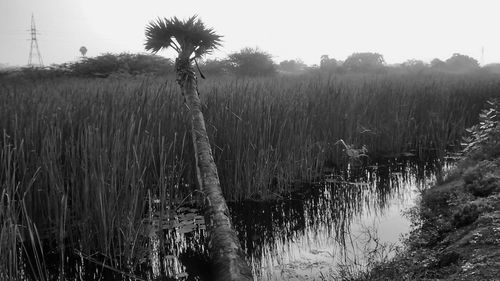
(96, 148)
(79, 156)
(270, 132)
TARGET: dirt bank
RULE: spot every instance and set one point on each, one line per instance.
(457, 229)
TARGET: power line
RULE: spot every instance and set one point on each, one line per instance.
(34, 50)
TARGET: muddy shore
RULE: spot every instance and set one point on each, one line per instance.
(456, 234)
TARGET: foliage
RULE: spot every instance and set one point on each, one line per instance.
(365, 62)
(36, 74)
(252, 62)
(328, 64)
(492, 68)
(438, 64)
(461, 63)
(480, 180)
(101, 66)
(190, 36)
(484, 138)
(465, 214)
(414, 66)
(107, 64)
(81, 155)
(215, 67)
(457, 63)
(292, 66)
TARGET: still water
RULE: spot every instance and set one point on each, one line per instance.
(349, 219)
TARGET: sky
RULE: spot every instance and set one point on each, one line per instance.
(306, 30)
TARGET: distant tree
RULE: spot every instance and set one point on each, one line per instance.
(102, 65)
(492, 68)
(414, 63)
(365, 62)
(145, 63)
(414, 66)
(292, 66)
(252, 62)
(106, 64)
(215, 67)
(327, 63)
(438, 64)
(459, 62)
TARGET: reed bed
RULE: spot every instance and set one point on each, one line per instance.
(81, 158)
(270, 132)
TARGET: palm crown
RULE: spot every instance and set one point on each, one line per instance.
(191, 36)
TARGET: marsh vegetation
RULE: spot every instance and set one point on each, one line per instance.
(85, 163)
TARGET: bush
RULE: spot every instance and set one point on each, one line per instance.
(106, 64)
(365, 63)
(483, 141)
(465, 215)
(437, 198)
(215, 67)
(252, 62)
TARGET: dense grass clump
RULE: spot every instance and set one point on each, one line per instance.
(270, 132)
(81, 159)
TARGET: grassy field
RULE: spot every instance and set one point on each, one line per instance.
(80, 158)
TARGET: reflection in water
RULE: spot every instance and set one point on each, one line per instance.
(301, 237)
(312, 231)
(177, 249)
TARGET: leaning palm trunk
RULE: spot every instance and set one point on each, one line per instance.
(224, 247)
(193, 40)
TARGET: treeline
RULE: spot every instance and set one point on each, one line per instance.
(102, 66)
(375, 63)
(251, 62)
(255, 62)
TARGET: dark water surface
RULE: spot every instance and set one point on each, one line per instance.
(307, 235)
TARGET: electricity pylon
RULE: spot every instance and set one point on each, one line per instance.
(34, 50)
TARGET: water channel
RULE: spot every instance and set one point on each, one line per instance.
(312, 233)
(345, 221)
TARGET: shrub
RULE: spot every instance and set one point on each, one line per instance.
(252, 62)
(106, 64)
(465, 215)
(483, 141)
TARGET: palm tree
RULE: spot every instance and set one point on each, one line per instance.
(191, 39)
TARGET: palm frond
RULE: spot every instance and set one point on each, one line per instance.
(158, 36)
(190, 33)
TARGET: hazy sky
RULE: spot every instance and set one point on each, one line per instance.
(398, 29)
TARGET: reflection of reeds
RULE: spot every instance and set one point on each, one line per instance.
(275, 233)
(367, 251)
(81, 155)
